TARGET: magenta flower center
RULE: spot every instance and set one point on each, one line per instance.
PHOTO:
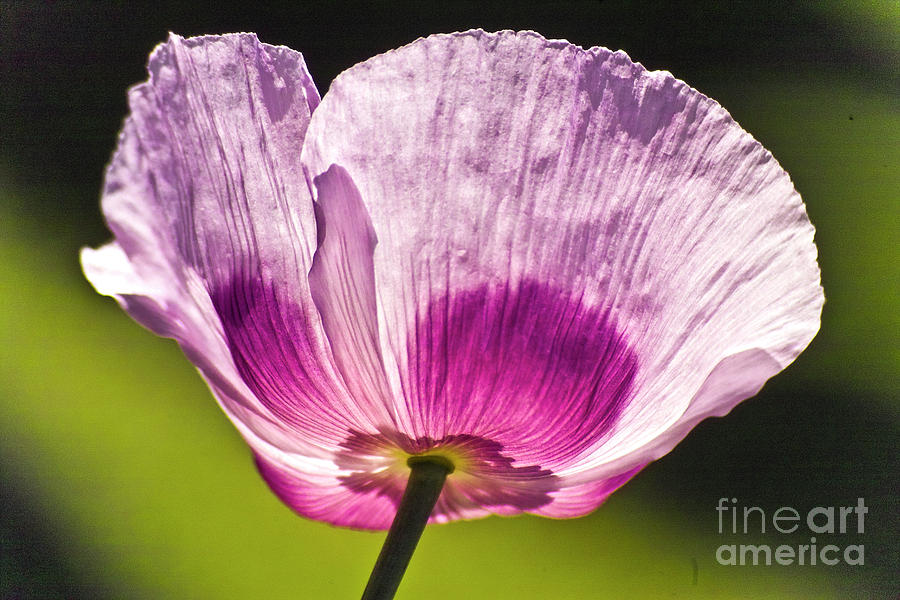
(505, 384)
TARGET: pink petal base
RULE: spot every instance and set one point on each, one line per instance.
(507, 382)
(483, 476)
(484, 482)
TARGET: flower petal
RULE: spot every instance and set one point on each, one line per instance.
(576, 500)
(491, 162)
(323, 497)
(734, 379)
(342, 283)
(525, 367)
(215, 233)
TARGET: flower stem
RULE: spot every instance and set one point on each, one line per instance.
(426, 480)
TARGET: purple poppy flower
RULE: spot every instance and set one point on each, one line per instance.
(541, 263)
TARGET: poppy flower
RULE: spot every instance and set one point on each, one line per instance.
(535, 264)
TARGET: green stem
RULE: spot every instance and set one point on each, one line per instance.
(426, 480)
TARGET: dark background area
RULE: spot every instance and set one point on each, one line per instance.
(816, 83)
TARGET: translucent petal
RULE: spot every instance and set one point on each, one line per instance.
(215, 232)
(493, 163)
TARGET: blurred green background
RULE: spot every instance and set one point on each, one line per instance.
(122, 479)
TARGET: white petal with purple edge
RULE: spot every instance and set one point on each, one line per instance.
(535, 202)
